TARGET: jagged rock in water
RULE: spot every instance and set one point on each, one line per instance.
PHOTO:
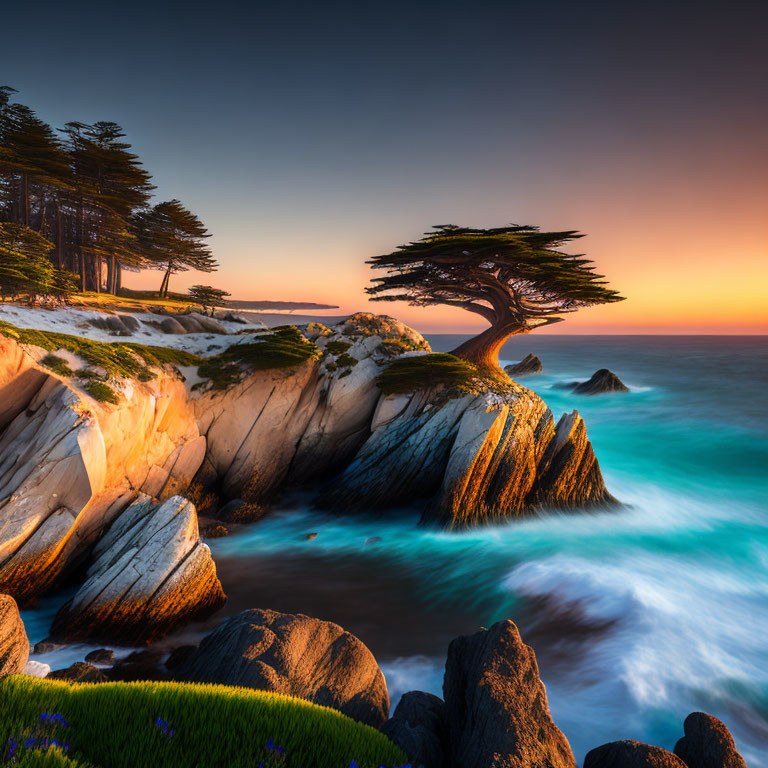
(529, 365)
(631, 754)
(103, 656)
(707, 744)
(150, 572)
(601, 381)
(473, 459)
(419, 728)
(79, 672)
(14, 645)
(294, 655)
(496, 705)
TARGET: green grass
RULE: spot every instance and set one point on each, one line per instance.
(114, 725)
(283, 347)
(411, 374)
(116, 358)
(338, 347)
(58, 365)
(101, 392)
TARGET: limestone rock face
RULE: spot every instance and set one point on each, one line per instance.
(631, 754)
(529, 365)
(150, 572)
(14, 645)
(496, 704)
(601, 381)
(295, 655)
(474, 459)
(420, 729)
(707, 744)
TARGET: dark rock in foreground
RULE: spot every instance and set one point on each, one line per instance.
(79, 672)
(14, 645)
(707, 744)
(631, 754)
(294, 655)
(496, 704)
(601, 381)
(140, 665)
(529, 365)
(420, 729)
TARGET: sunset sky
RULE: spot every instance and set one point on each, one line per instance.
(310, 136)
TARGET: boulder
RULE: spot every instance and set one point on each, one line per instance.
(529, 365)
(103, 656)
(496, 705)
(707, 744)
(14, 645)
(172, 325)
(139, 665)
(189, 323)
(112, 323)
(45, 646)
(209, 325)
(631, 754)
(420, 729)
(150, 572)
(130, 323)
(601, 381)
(79, 672)
(36, 669)
(295, 655)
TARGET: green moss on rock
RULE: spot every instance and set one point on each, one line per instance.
(58, 365)
(102, 392)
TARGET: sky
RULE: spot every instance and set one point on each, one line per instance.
(310, 136)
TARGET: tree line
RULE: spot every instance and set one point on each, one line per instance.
(76, 210)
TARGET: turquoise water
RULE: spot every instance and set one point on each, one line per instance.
(638, 616)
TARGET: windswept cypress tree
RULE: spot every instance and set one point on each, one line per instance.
(516, 277)
(173, 240)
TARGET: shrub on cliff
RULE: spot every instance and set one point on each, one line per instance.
(410, 374)
(176, 725)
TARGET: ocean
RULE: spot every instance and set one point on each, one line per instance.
(638, 615)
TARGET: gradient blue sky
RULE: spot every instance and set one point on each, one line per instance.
(309, 136)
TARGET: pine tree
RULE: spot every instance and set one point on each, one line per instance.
(515, 277)
(173, 240)
(208, 297)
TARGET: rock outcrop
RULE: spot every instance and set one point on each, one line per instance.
(528, 366)
(69, 465)
(79, 672)
(472, 459)
(496, 704)
(707, 744)
(631, 754)
(419, 727)
(149, 573)
(14, 645)
(295, 655)
(601, 381)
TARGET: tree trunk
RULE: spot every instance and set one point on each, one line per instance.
(25, 198)
(164, 284)
(118, 278)
(483, 350)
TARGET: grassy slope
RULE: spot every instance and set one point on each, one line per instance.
(114, 725)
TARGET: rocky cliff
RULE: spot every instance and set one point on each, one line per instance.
(276, 408)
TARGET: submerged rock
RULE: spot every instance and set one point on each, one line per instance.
(294, 655)
(601, 381)
(103, 656)
(150, 572)
(14, 645)
(496, 705)
(419, 727)
(631, 754)
(529, 365)
(707, 744)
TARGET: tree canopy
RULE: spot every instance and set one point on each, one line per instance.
(84, 190)
(208, 297)
(516, 277)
